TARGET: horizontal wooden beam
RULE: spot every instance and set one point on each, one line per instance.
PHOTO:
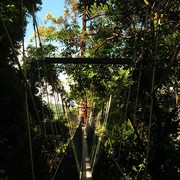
(88, 60)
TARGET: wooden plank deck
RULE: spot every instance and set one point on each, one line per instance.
(86, 173)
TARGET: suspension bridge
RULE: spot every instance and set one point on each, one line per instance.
(80, 158)
(81, 154)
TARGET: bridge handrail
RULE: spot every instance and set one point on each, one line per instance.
(61, 159)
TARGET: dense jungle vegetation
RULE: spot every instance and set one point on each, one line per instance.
(141, 135)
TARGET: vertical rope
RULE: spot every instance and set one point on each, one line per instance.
(128, 91)
(12, 46)
(121, 120)
(154, 35)
(55, 103)
(69, 120)
(150, 122)
(37, 30)
(104, 124)
(127, 103)
(18, 63)
(26, 97)
(39, 74)
(137, 94)
(57, 110)
(50, 118)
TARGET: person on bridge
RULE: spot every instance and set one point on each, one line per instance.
(84, 111)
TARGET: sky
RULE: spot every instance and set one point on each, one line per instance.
(56, 7)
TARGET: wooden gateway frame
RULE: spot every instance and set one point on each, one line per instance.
(83, 106)
(123, 61)
(120, 61)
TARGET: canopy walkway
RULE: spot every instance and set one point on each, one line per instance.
(77, 161)
(81, 158)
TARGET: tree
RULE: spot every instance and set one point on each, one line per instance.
(143, 106)
(13, 131)
(133, 27)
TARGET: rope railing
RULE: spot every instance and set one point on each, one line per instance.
(75, 142)
(70, 163)
(93, 140)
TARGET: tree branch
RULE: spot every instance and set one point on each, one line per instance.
(107, 39)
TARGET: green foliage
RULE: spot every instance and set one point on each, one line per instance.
(131, 29)
(12, 123)
(147, 33)
(13, 132)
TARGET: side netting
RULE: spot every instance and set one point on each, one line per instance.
(92, 141)
(100, 168)
(70, 165)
